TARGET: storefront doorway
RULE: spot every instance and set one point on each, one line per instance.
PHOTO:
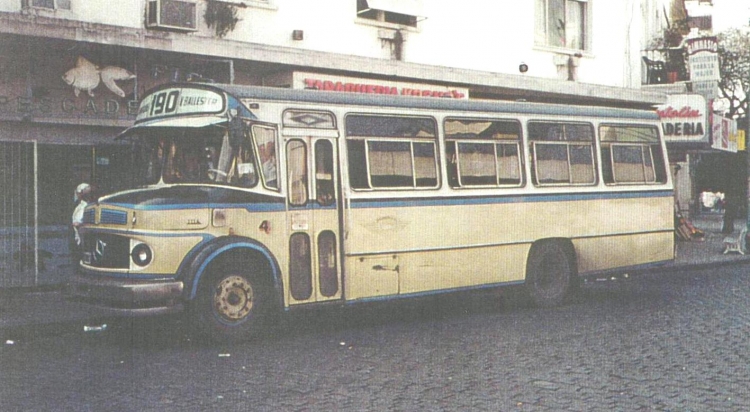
(37, 184)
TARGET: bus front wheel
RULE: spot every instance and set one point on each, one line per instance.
(232, 304)
(550, 274)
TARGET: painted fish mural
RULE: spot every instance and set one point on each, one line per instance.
(86, 76)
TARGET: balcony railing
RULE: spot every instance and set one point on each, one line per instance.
(664, 66)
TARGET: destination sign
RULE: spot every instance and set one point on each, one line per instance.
(180, 101)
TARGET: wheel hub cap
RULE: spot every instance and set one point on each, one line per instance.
(234, 298)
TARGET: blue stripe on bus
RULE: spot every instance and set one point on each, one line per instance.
(526, 198)
(418, 202)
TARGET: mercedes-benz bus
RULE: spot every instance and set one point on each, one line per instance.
(247, 202)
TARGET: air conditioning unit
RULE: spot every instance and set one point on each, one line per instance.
(171, 15)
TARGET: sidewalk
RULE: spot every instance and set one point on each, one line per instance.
(46, 307)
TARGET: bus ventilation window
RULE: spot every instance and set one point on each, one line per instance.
(327, 267)
(300, 279)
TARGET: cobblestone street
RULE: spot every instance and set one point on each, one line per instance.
(663, 341)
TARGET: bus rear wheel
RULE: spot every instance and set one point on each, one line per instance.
(550, 274)
(232, 304)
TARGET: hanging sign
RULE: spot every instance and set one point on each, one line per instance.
(724, 134)
(684, 119)
(703, 58)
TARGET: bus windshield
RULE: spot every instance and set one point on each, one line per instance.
(195, 155)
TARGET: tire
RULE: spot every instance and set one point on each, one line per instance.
(233, 304)
(550, 274)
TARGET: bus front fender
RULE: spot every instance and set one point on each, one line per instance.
(195, 267)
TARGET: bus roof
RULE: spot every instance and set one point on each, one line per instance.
(233, 95)
(431, 103)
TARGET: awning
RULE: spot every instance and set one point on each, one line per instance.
(407, 7)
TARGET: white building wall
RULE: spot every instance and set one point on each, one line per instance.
(491, 36)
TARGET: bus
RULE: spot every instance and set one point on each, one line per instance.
(247, 202)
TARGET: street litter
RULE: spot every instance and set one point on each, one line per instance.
(100, 328)
(10, 342)
(225, 355)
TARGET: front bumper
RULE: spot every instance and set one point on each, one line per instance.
(127, 296)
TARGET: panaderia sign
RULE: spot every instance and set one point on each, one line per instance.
(684, 119)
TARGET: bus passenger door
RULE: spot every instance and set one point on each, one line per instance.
(312, 201)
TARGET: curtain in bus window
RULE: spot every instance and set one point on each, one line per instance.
(425, 166)
(552, 163)
(632, 155)
(628, 164)
(477, 164)
(581, 163)
(390, 164)
(508, 166)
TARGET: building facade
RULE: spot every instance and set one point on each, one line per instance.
(72, 73)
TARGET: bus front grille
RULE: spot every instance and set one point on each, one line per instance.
(113, 217)
(106, 251)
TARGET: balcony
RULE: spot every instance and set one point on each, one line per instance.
(664, 66)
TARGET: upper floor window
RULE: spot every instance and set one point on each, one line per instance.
(48, 4)
(562, 23)
(400, 12)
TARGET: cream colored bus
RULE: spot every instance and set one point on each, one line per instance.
(251, 201)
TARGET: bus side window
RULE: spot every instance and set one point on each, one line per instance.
(562, 153)
(631, 154)
(297, 170)
(265, 139)
(246, 174)
(357, 164)
(392, 152)
(483, 152)
(324, 188)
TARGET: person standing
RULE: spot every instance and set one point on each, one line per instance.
(81, 197)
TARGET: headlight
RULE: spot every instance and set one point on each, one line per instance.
(141, 254)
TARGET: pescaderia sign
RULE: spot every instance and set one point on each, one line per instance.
(684, 119)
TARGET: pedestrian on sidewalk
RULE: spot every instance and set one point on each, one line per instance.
(82, 197)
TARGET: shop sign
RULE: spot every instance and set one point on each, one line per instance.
(703, 58)
(724, 134)
(366, 86)
(708, 89)
(684, 119)
(66, 107)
